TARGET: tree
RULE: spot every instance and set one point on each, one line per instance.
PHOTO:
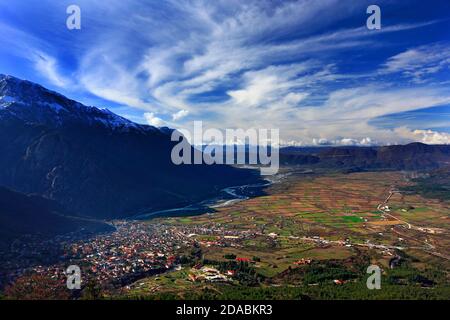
(92, 291)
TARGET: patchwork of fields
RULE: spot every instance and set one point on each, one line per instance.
(321, 218)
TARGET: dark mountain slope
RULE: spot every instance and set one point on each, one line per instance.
(413, 156)
(348, 157)
(434, 184)
(92, 161)
(33, 215)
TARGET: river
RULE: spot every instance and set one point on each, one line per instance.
(226, 197)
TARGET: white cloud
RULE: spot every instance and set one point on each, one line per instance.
(180, 115)
(33, 49)
(425, 136)
(346, 114)
(201, 46)
(275, 83)
(272, 64)
(321, 142)
(343, 142)
(294, 98)
(154, 120)
(420, 62)
(109, 79)
(47, 66)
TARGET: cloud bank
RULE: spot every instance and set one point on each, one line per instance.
(308, 68)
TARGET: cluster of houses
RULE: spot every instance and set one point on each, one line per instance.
(303, 262)
(32, 252)
(133, 249)
(209, 274)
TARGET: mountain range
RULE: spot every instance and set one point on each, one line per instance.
(64, 165)
(92, 161)
(413, 156)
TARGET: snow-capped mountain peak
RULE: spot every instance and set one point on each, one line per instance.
(32, 103)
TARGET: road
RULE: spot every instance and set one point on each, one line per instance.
(428, 247)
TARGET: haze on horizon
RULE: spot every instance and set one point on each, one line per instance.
(310, 68)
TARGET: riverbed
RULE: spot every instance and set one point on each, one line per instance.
(227, 197)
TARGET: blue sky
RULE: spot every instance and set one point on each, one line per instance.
(309, 67)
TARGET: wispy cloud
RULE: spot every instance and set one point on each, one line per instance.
(180, 115)
(421, 62)
(310, 68)
(49, 69)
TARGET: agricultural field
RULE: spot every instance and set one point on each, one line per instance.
(308, 221)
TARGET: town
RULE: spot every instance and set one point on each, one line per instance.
(135, 250)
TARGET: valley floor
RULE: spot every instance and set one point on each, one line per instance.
(311, 232)
(310, 236)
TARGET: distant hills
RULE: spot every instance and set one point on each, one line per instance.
(413, 156)
(92, 161)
